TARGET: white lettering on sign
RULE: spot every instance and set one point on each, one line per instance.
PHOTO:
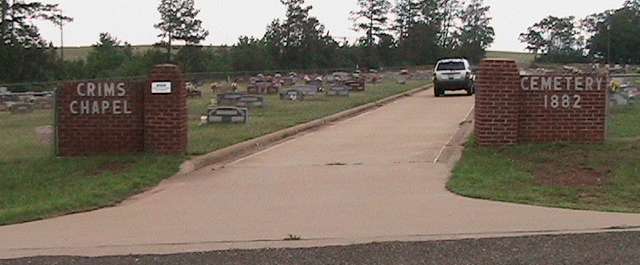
(103, 98)
(558, 83)
(562, 101)
(571, 85)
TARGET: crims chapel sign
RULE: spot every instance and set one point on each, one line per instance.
(100, 98)
(563, 92)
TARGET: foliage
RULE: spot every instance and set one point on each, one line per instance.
(300, 41)
(615, 34)
(251, 54)
(178, 22)
(24, 55)
(558, 38)
(372, 19)
(107, 56)
(476, 34)
(611, 36)
(407, 14)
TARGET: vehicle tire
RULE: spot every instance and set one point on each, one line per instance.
(436, 91)
(471, 90)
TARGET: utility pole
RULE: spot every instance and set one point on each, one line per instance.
(609, 41)
(61, 39)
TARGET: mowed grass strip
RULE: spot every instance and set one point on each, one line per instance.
(603, 177)
(35, 185)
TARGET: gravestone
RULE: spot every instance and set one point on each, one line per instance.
(20, 108)
(250, 101)
(338, 90)
(240, 100)
(356, 84)
(263, 87)
(43, 103)
(310, 90)
(227, 115)
(228, 99)
(292, 95)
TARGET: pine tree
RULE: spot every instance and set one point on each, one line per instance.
(178, 21)
(407, 16)
(24, 55)
(372, 19)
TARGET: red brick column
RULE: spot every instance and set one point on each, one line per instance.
(165, 119)
(497, 103)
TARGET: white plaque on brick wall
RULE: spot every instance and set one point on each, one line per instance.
(161, 88)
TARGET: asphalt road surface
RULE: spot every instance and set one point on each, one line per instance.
(585, 249)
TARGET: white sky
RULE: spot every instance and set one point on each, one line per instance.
(132, 20)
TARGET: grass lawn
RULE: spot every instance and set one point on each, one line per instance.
(602, 177)
(34, 184)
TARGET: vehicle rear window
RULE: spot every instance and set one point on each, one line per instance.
(451, 66)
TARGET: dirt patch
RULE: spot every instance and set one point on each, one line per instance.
(571, 176)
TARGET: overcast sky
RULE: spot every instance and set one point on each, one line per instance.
(132, 20)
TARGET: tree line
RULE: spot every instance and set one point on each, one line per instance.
(403, 33)
(612, 36)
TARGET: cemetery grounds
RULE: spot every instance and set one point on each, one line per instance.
(37, 185)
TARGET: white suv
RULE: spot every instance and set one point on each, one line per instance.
(453, 74)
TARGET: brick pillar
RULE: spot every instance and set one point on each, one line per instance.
(165, 115)
(497, 103)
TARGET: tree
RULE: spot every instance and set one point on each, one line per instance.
(300, 40)
(407, 14)
(178, 22)
(24, 55)
(476, 34)
(632, 5)
(615, 34)
(107, 57)
(372, 19)
(250, 54)
(441, 15)
(557, 38)
(421, 45)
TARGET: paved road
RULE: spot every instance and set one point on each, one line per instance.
(369, 178)
(590, 249)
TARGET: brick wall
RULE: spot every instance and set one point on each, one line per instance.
(106, 132)
(514, 109)
(109, 117)
(580, 116)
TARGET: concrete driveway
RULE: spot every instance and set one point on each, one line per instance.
(369, 178)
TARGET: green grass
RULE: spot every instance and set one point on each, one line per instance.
(522, 58)
(626, 123)
(517, 174)
(36, 185)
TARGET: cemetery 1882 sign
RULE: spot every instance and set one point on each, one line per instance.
(511, 108)
(122, 117)
(566, 90)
